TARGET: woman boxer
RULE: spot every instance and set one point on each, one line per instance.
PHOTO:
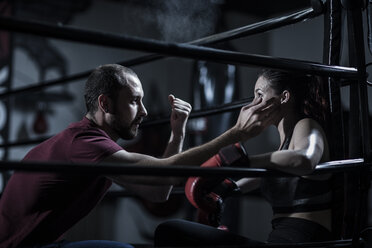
(301, 203)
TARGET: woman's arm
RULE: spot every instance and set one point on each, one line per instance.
(247, 185)
(306, 150)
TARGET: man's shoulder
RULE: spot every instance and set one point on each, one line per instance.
(82, 124)
(58, 145)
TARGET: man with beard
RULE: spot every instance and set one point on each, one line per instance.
(36, 209)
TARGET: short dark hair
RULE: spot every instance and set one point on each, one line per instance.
(105, 79)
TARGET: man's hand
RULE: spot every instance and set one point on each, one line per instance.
(180, 113)
(256, 116)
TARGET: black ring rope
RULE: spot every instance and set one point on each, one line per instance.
(195, 114)
(259, 27)
(227, 107)
(325, 244)
(24, 142)
(240, 32)
(176, 170)
(174, 49)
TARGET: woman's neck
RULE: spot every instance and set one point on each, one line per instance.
(285, 127)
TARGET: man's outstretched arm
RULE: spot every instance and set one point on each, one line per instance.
(252, 119)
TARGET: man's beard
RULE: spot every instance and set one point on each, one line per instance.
(125, 132)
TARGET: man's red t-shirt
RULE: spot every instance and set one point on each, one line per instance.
(38, 208)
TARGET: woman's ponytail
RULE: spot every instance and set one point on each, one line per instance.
(315, 104)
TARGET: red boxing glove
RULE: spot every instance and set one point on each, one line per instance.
(229, 156)
(200, 195)
(206, 194)
(211, 205)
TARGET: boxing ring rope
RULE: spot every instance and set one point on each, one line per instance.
(227, 107)
(327, 244)
(250, 29)
(23, 142)
(174, 49)
(236, 105)
(177, 170)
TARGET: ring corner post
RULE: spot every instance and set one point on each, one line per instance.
(332, 48)
(360, 145)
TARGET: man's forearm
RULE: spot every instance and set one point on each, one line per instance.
(175, 146)
(199, 154)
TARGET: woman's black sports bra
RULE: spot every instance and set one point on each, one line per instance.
(296, 194)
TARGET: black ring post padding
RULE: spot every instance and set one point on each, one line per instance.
(250, 29)
(174, 49)
(353, 4)
(360, 145)
(318, 6)
(369, 25)
(175, 170)
(331, 56)
(332, 49)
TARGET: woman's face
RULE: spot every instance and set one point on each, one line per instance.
(263, 90)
